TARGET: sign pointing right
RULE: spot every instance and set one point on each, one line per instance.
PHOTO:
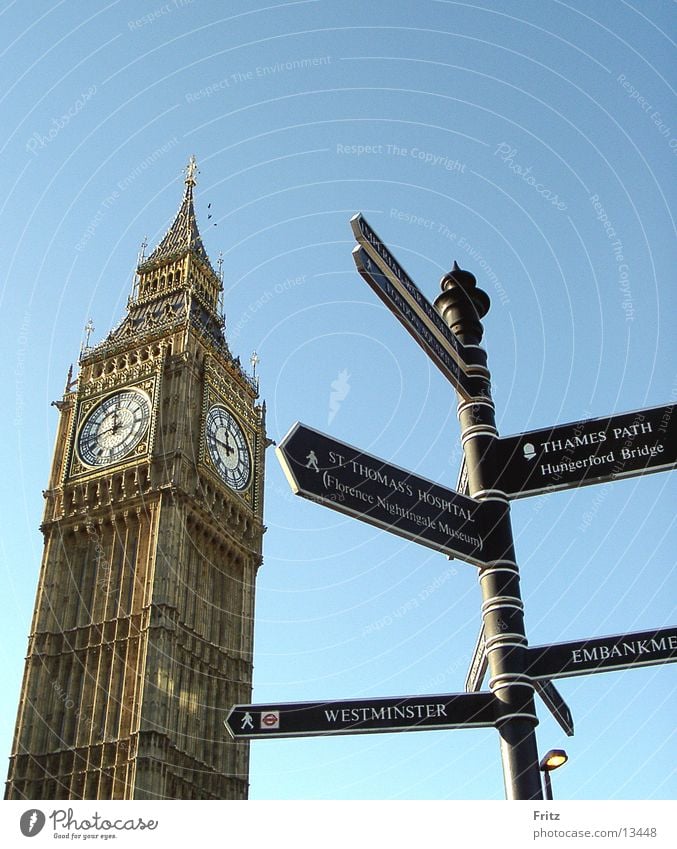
(590, 451)
(556, 705)
(601, 654)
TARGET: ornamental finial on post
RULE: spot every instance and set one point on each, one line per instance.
(462, 305)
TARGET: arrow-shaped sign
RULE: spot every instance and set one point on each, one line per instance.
(438, 352)
(545, 688)
(351, 481)
(556, 705)
(478, 665)
(602, 654)
(386, 262)
(589, 451)
(362, 716)
(401, 295)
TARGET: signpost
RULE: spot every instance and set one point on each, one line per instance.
(590, 451)
(362, 716)
(603, 654)
(545, 688)
(477, 530)
(351, 481)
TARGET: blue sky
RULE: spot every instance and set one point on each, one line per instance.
(530, 141)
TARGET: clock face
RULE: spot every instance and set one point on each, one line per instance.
(114, 428)
(228, 447)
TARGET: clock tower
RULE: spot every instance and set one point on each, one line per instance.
(143, 624)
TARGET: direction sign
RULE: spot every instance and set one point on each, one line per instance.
(351, 481)
(387, 263)
(362, 716)
(556, 705)
(398, 291)
(602, 654)
(478, 665)
(438, 352)
(462, 481)
(545, 688)
(585, 452)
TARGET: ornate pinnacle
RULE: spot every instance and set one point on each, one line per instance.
(191, 171)
(69, 379)
(89, 328)
(142, 251)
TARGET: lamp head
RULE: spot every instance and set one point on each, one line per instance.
(553, 759)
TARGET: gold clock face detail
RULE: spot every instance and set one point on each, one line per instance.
(228, 448)
(114, 428)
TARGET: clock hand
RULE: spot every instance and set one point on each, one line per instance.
(114, 428)
(101, 433)
(229, 448)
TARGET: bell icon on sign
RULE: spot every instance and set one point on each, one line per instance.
(529, 451)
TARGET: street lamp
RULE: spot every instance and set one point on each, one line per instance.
(551, 760)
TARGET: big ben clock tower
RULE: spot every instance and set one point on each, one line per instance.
(143, 624)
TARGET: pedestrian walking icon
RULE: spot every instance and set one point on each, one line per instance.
(247, 721)
(312, 461)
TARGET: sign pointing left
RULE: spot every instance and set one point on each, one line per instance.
(362, 716)
(351, 481)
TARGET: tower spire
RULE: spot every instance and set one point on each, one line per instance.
(176, 282)
(183, 235)
(190, 181)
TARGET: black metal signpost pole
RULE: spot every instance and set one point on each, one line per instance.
(473, 524)
(462, 305)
